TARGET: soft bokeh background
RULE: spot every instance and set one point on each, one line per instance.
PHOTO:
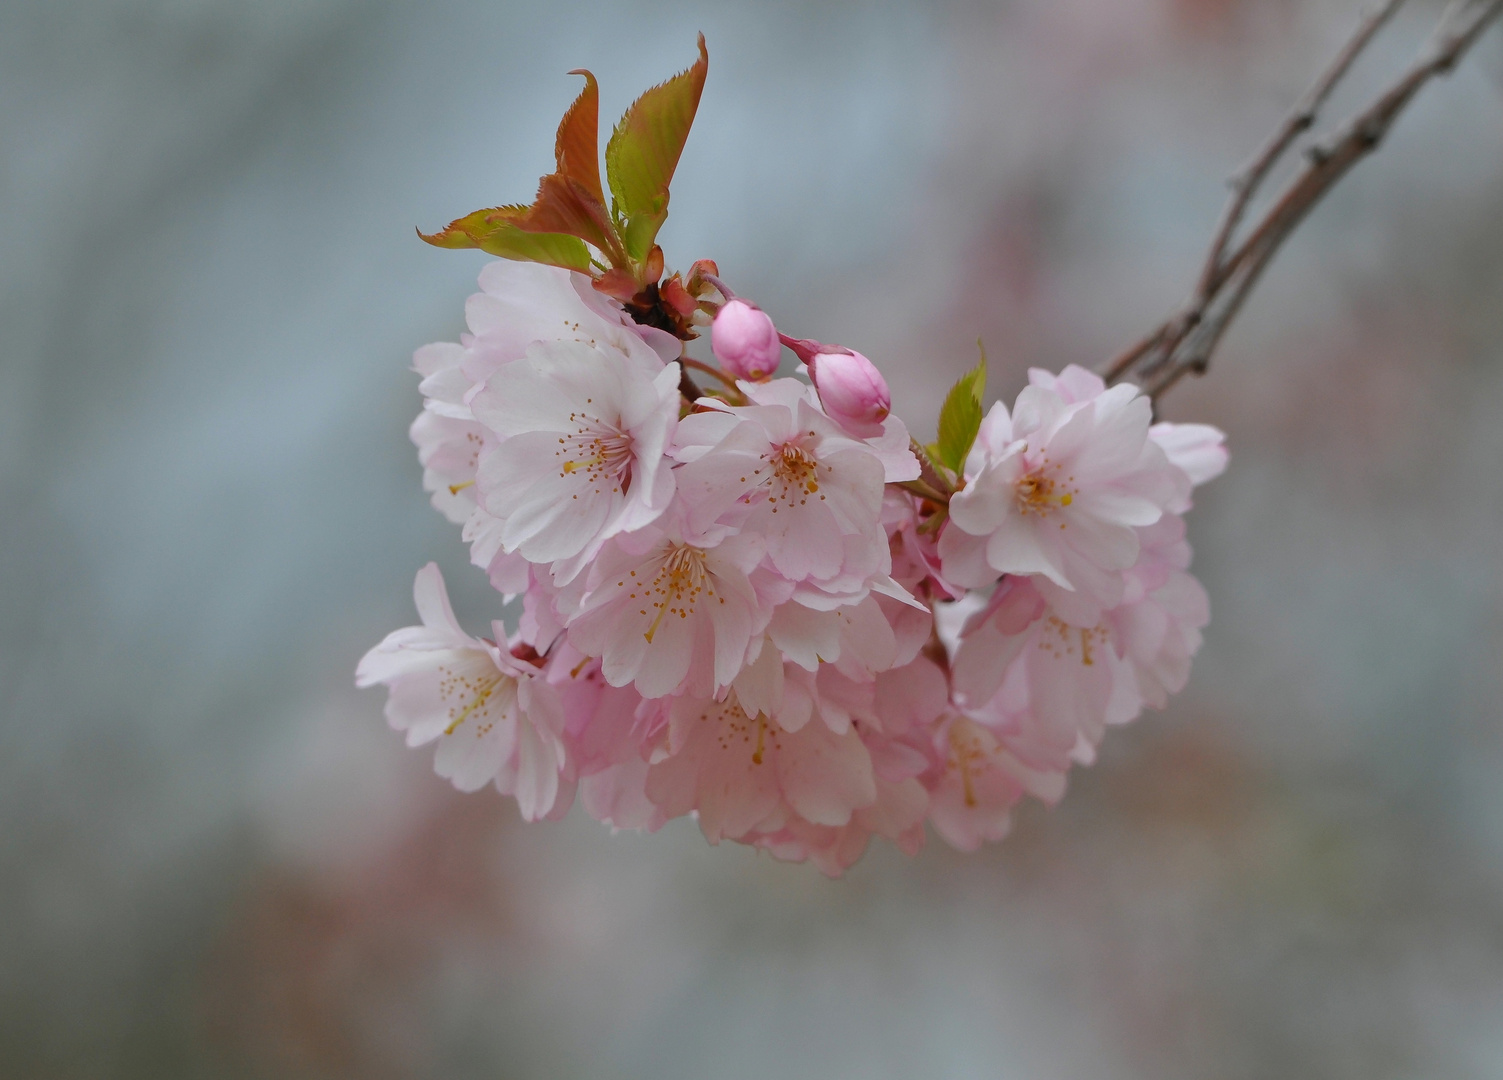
(215, 861)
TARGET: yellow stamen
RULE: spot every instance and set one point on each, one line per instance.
(657, 621)
(486, 688)
(1040, 492)
(965, 751)
(680, 580)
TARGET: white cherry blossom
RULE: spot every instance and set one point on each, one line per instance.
(494, 717)
(581, 433)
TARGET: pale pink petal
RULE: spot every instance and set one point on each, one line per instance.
(826, 776)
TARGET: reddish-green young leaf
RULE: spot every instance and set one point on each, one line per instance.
(577, 148)
(653, 264)
(644, 149)
(617, 283)
(466, 232)
(496, 231)
(564, 205)
(677, 297)
(960, 419)
(569, 208)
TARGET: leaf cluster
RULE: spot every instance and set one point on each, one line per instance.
(569, 223)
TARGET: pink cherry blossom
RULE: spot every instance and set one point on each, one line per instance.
(1199, 450)
(856, 638)
(508, 571)
(910, 697)
(745, 341)
(449, 451)
(897, 814)
(607, 734)
(737, 608)
(1057, 488)
(1160, 621)
(1048, 687)
(495, 718)
(520, 304)
(782, 470)
(450, 443)
(664, 613)
(736, 770)
(977, 783)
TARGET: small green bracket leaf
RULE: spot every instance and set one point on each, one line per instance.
(960, 418)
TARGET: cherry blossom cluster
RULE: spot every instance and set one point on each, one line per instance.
(763, 604)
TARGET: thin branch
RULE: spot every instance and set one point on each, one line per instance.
(725, 380)
(1246, 183)
(1120, 364)
(1183, 344)
(688, 387)
(923, 490)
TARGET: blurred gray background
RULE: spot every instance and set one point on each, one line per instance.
(215, 861)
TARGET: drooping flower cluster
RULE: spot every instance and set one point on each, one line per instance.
(736, 607)
(763, 604)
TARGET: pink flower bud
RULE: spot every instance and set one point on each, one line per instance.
(745, 341)
(852, 391)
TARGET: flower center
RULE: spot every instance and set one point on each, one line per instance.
(468, 695)
(792, 475)
(732, 725)
(1060, 640)
(598, 452)
(966, 756)
(1041, 490)
(680, 583)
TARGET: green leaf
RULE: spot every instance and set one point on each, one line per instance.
(554, 249)
(497, 231)
(960, 418)
(644, 149)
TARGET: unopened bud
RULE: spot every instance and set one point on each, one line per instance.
(852, 390)
(745, 341)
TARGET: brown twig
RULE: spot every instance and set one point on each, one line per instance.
(725, 380)
(1183, 344)
(687, 387)
(1246, 183)
(923, 490)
